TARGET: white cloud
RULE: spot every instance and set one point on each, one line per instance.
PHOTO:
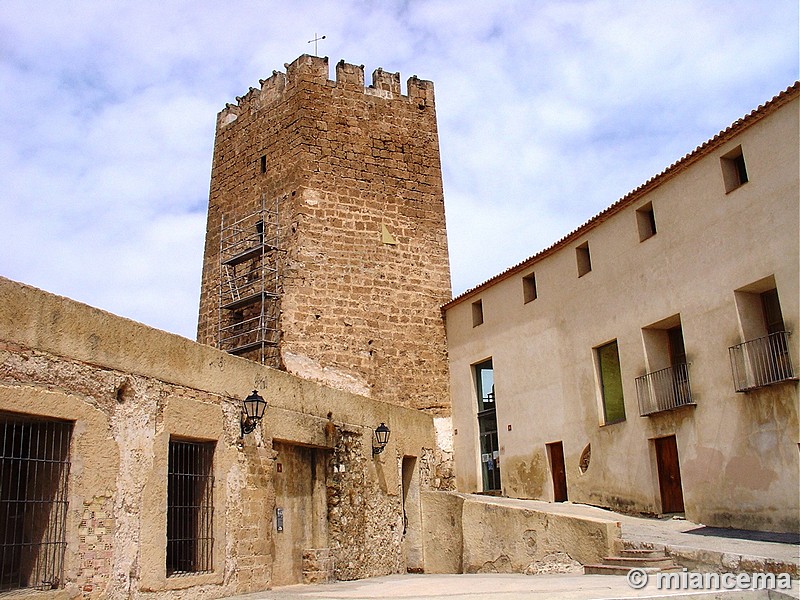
(549, 110)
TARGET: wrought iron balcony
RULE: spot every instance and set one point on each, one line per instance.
(761, 362)
(664, 389)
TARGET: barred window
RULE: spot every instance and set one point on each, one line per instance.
(34, 467)
(190, 483)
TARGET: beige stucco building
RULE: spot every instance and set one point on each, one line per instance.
(644, 362)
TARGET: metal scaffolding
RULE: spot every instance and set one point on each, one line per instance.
(249, 285)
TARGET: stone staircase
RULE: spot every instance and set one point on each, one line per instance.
(650, 561)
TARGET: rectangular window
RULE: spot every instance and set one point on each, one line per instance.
(34, 468)
(734, 170)
(583, 258)
(487, 426)
(610, 383)
(763, 358)
(190, 508)
(529, 287)
(263, 164)
(666, 385)
(477, 313)
(646, 221)
(484, 380)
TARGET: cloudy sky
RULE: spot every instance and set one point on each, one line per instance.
(549, 111)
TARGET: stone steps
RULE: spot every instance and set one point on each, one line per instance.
(604, 569)
(649, 561)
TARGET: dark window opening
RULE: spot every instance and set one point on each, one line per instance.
(584, 259)
(190, 509)
(741, 169)
(773, 318)
(34, 467)
(763, 358)
(679, 367)
(477, 313)
(646, 221)
(677, 350)
(264, 164)
(529, 287)
(734, 169)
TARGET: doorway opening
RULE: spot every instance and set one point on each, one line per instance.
(555, 453)
(487, 426)
(301, 513)
(412, 517)
(669, 474)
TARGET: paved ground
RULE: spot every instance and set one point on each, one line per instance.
(674, 533)
(495, 586)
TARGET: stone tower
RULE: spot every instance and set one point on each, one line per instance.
(326, 247)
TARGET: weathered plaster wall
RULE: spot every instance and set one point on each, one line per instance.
(129, 388)
(737, 452)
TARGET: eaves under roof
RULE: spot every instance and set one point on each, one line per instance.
(702, 150)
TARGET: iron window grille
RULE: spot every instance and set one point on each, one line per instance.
(665, 389)
(34, 471)
(190, 509)
(761, 362)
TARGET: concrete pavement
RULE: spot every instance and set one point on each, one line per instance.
(499, 587)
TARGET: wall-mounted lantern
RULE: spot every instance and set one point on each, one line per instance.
(381, 439)
(252, 412)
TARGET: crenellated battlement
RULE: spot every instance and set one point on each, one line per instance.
(351, 159)
(315, 69)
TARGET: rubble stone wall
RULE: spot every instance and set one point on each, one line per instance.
(129, 389)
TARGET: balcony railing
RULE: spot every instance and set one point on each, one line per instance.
(761, 362)
(664, 389)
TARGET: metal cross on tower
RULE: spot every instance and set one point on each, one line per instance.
(315, 40)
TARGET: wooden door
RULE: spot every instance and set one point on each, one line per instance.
(669, 475)
(556, 452)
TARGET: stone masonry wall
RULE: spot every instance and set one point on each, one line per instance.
(111, 553)
(365, 267)
(364, 522)
(129, 389)
(114, 524)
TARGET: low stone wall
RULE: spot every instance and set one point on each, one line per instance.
(466, 533)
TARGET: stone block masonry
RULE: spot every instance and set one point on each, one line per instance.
(365, 266)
